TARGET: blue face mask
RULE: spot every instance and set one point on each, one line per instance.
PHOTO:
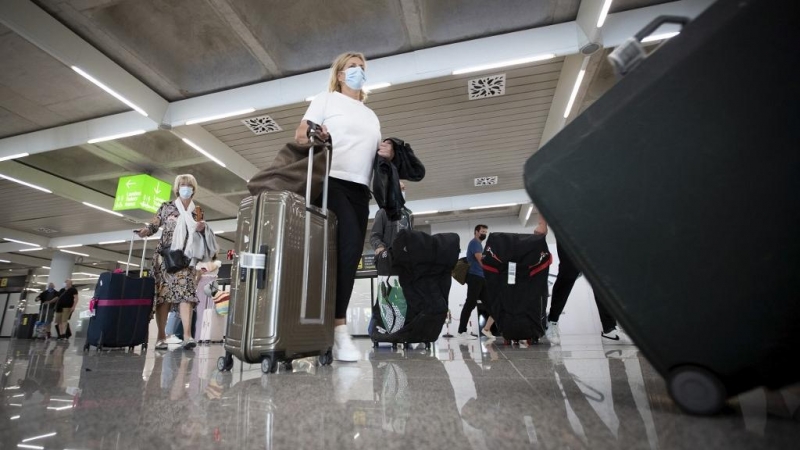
(185, 192)
(354, 78)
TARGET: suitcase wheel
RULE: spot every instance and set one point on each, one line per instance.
(374, 344)
(287, 365)
(225, 363)
(269, 364)
(696, 390)
(144, 347)
(428, 345)
(86, 347)
(326, 358)
(407, 346)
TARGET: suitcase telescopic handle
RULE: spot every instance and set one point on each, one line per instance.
(628, 55)
(313, 136)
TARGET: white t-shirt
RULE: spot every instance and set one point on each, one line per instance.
(355, 132)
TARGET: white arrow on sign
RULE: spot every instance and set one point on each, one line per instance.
(157, 189)
(129, 183)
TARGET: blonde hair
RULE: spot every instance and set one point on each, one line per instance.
(338, 65)
(186, 178)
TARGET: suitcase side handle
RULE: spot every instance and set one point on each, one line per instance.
(261, 272)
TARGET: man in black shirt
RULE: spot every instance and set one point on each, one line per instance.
(64, 307)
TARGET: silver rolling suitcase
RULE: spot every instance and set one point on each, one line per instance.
(283, 279)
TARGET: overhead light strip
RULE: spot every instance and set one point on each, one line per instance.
(18, 155)
(603, 13)
(46, 267)
(372, 87)
(512, 62)
(121, 241)
(128, 264)
(30, 249)
(220, 116)
(502, 205)
(528, 216)
(4, 261)
(102, 209)
(21, 242)
(75, 253)
(424, 213)
(24, 183)
(655, 37)
(574, 93)
(69, 246)
(109, 90)
(39, 437)
(207, 155)
(116, 136)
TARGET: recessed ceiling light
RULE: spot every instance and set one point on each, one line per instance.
(128, 264)
(116, 136)
(109, 90)
(121, 241)
(25, 183)
(75, 253)
(70, 246)
(511, 62)
(102, 209)
(601, 19)
(220, 116)
(574, 93)
(18, 155)
(36, 249)
(20, 242)
(423, 213)
(199, 149)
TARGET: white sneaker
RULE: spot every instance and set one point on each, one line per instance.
(466, 336)
(173, 340)
(343, 347)
(616, 337)
(552, 334)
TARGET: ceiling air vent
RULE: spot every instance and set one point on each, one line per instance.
(262, 125)
(485, 181)
(491, 86)
(45, 230)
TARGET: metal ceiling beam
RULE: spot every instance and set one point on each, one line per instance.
(224, 9)
(47, 33)
(412, 18)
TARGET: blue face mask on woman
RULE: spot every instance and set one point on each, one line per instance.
(354, 78)
(185, 192)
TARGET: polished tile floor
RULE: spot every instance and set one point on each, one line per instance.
(462, 395)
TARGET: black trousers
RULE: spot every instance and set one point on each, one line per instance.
(476, 290)
(350, 202)
(567, 274)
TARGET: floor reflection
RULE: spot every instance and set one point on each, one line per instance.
(460, 395)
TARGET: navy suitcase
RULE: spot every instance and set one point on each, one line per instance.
(122, 306)
(678, 194)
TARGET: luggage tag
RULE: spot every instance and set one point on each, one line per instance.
(512, 272)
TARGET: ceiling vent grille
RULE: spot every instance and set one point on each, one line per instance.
(262, 125)
(485, 87)
(45, 230)
(485, 181)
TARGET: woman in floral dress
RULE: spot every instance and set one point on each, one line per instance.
(175, 290)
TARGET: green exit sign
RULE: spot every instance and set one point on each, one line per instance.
(141, 192)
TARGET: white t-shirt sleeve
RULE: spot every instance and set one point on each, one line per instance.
(316, 110)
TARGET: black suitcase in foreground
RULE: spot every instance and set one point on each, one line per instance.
(678, 193)
(516, 267)
(122, 306)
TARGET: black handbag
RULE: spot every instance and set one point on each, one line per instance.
(174, 260)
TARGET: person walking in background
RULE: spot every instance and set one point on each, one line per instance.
(568, 273)
(356, 136)
(64, 306)
(476, 284)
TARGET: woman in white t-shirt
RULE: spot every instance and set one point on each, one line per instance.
(356, 135)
